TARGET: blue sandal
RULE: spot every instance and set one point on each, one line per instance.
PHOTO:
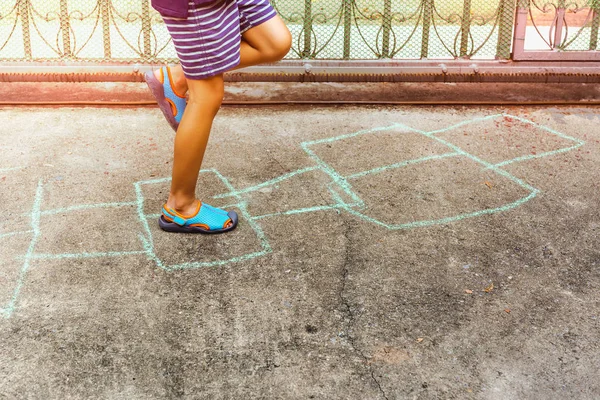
(206, 219)
(170, 102)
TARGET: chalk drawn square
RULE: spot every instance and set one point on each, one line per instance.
(375, 148)
(187, 251)
(502, 139)
(435, 190)
(96, 230)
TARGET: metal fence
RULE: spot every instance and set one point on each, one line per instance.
(129, 31)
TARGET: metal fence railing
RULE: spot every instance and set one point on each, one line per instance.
(129, 31)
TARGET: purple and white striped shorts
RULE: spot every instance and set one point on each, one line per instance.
(208, 41)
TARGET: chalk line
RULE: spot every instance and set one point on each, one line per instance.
(9, 234)
(267, 183)
(84, 255)
(83, 207)
(402, 164)
(2, 170)
(35, 228)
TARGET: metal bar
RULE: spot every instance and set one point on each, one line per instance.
(306, 53)
(387, 28)
(520, 32)
(506, 24)
(105, 13)
(560, 22)
(595, 25)
(551, 55)
(427, 16)
(337, 69)
(24, 13)
(348, 4)
(65, 28)
(465, 28)
(146, 30)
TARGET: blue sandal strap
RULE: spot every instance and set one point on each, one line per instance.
(178, 101)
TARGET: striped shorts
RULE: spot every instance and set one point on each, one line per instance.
(208, 41)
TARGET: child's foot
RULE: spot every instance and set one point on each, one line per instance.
(171, 102)
(205, 219)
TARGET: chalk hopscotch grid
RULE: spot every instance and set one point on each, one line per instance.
(337, 182)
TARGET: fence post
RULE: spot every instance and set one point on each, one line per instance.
(306, 53)
(146, 30)
(520, 29)
(465, 28)
(105, 12)
(24, 13)
(427, 16)
(595, 25)
(560, 22)
(505, 26)
(387, 27)
(347, 27)
(65, 27)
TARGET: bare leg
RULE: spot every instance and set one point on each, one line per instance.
(268, 42)
(191, 140)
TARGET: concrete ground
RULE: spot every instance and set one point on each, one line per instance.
(382, 253)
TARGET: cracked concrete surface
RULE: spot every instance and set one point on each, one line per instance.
(315, 296)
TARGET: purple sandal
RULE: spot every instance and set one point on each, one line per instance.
(171, 103)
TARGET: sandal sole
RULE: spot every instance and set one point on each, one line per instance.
(159, 94)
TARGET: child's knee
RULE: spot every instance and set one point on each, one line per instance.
(208, 92)
(282, 45)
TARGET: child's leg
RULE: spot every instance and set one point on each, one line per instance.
(205, 97)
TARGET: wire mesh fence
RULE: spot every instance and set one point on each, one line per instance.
(130, 31)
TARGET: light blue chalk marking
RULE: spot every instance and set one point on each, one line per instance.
(359, 133)
(218, 263)
(456, 151)
(336, 180)
(267, 183)
(402, 164)
(9, 234)
(534, 156)
(146, 240)
(346, 187)
(579, 143)
(460, 124)
(35, 228)
(482, 162)
(335, 177)
(84, 255)
(456, 218)
(545, 128)
(2, 170)
(298, 211)
(83, 207)
(339, 204)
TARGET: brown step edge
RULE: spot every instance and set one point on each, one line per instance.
(240, 93)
